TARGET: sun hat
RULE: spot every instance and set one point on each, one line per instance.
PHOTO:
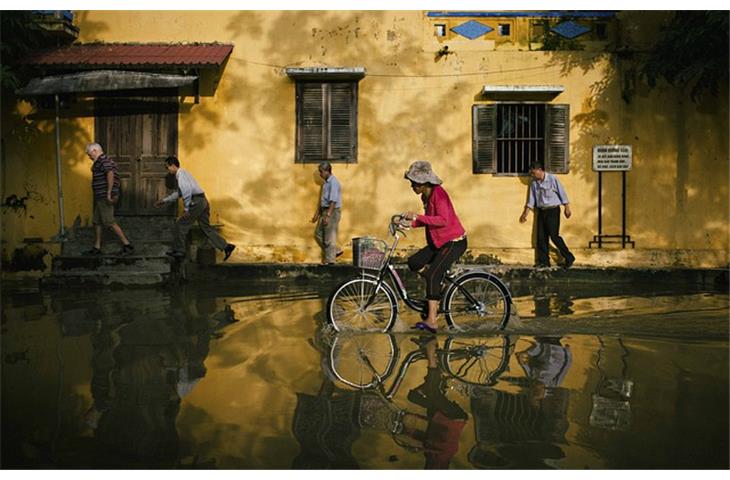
(420, 171)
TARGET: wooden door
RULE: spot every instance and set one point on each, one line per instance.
(139, 134)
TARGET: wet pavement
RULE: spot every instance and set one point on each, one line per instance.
(587, 376)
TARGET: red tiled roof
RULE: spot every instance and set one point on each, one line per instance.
(140, 54)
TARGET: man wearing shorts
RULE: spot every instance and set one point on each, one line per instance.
(105, 185)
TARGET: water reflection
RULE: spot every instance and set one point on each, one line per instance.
(326, 425)
(525, 429)
(142, 368)
(611, 409)
(147, 353)
(519, 421)
(250, 379)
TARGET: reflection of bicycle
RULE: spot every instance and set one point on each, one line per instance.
(365, 361)
(473, 299)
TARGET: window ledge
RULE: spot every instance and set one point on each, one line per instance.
(326, 73)
(517, 92)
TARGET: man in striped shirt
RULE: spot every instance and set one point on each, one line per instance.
(105, 184)
(546, 195)
(196, 209)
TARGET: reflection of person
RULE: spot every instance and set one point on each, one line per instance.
(445, 418)
(196, 209)
(328, 214)
(106, 186)
(546, 362)
(546, 194)
(445, 236)
(525, 430)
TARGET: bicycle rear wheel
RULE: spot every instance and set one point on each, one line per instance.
(477, 302)
(361, 304)
(362, 360)
(477, 360)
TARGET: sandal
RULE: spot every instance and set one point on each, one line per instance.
(425, 327)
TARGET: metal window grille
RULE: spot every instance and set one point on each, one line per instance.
(520, 137)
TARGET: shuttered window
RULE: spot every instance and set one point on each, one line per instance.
(326, 122)
(508, 137)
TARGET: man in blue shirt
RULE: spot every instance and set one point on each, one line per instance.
(546, 194)
(328, 214)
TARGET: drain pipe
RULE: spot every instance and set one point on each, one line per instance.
(61, 231)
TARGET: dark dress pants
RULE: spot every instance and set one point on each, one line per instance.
(199, 212)
(548, 227)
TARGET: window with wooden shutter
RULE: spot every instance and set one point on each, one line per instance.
(508, 137)
(558, 141)
(326, 122)
(484, 138)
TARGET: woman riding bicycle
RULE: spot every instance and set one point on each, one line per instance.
(445, 236)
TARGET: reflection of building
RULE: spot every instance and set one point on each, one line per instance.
(518, 430)
(326, 427)
(370, 90)
(611, 409)
(142, 368)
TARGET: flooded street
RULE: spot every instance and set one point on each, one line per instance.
(248, 377)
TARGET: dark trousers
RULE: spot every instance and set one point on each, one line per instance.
(548, 227)
(199, 212)
(439, 260)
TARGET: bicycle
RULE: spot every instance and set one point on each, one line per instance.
(472, 299)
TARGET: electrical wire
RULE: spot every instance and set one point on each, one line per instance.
(403, 75)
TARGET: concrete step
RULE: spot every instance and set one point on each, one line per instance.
(137, 269)
(153, 248)
(139, 230)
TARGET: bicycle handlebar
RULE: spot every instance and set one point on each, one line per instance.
(398, 223)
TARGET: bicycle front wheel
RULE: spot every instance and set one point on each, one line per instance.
(362, 360)
(477, 360)
(362, 304)
(477, 302)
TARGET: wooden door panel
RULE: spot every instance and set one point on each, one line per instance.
(139, 140)
(152, 174)
(159, 134)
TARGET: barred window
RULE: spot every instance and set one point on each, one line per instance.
(507, 137)
(326, 122)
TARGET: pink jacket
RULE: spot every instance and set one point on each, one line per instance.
(442, 224)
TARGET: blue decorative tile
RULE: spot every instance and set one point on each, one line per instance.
(472, 29)
(570, 29)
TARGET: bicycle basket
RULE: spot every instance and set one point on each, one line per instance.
(368, 252)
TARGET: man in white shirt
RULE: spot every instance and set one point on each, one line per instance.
(196, 209)
(546, 194)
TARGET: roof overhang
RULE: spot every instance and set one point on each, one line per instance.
(132, 56)
(522, 92)
(104, 81)
(326, 73)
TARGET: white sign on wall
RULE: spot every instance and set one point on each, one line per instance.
(611, 158)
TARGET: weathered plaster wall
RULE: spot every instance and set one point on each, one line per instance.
(413, 104)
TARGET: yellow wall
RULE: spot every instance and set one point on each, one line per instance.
(239, 143)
